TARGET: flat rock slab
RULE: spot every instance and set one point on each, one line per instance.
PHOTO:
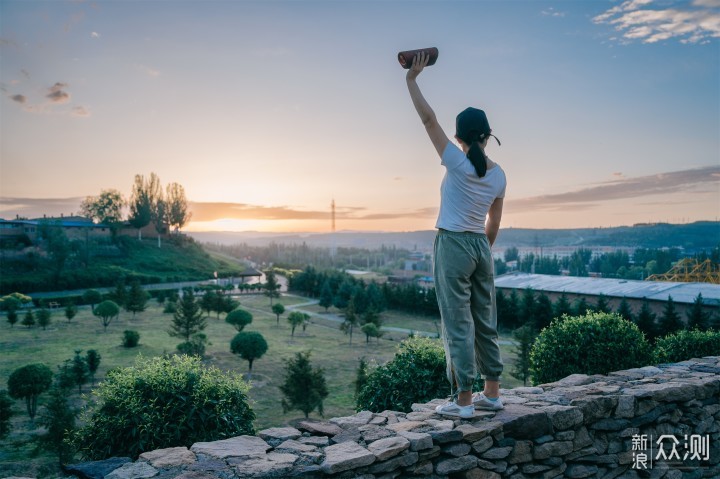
(240, 446)
(320, 428)
(137, 470)
(388, 447)
(279, 433)
(344, 456)
(273, 464)
(169, 457)
(96, 469)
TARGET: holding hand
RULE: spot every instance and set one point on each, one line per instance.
(419, 62)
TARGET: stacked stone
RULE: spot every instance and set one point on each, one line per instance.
(581, 426)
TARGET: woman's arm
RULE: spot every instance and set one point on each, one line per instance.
(427, 115)
(492, 225)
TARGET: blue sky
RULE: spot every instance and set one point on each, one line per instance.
(608, 111)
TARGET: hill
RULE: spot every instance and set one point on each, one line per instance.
(39, 269)
(692, 237)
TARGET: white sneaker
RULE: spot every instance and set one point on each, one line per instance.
(480, 401)
(452, 409)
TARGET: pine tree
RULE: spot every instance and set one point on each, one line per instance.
(525, 337)
(602, 305)
(326, 296)
(670, 320)
(44, 318)
(6, 414)
(188, 318)
(543, 311)
(119, 295)
(581, 307)
(361, 376)
(59, 420)
(527, 308)
(303, 388)
(698, 318)
(12, 317)
(646, 321)
(562, 306)
(272, 287)
(92, 358)
(79, 370)
(136, 299)
(70, 311)
(625, 310)
(29, 319)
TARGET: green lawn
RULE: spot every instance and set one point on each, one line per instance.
(330, 350)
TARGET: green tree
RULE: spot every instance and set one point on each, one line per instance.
(625, 311)
(326, 295)
(188, 318)
(190, 403)
(6, 414)
(57, 246)
(278, 309)
(29, 319)
(58, 418)
(527, 307)
(670, 320)
(195, 346)
(70, 311)
(351, 319)
(361, 376)
(562, 306)
(524, 338)
(239, 318)
(602, 305)
(131, 338)
(698, 318)
(92, 359)
(107, 311)
(120, 293)
(272, 287)
(144, 194)
(92, 297)
(105, 208)
(249, 345)
(160, 218)
(176, 206)
(79, 370)
(296, 318)
(645, 320)
(44, 318)
(544, 312)
(136, 299)
(371, 331)
(303, 387)
(511, 254)
(12, 317)
(581, 307)
(29, 382)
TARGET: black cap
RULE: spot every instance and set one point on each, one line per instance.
(472, 125)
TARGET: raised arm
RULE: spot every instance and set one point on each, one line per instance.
(492, 225)
(427, 115)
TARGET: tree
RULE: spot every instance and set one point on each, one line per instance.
(371, 331)
(44, 318)
(602, 305)
(195, 346)
(6, 414)
(70, 311)
(278, 309)
(511, 254)
(136, 299)
(524, 337)
(141, 202)
(58, 418)
(697, 317)
(351, 319)
(304, 387)
(249, 345)
(562, 306)
(92, 359)
(208, 301)
(239, 318)
(57, 246)
(29, 319)
(120, 293)
(176, 206)
(107, 311)
(160, 218)
(512, 310)
(79, 370)
(105, 208)
(361, 376)
(527, 307)
(29, 382)
(188, 318)
(543, 311)
(92, 297)
(272, 286)
(12, 317)
(625, 311)
(646, 321)
(670, 320)
(581, 307)
(326, 295)
(296, 318)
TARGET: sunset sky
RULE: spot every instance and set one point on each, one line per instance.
(266, 111)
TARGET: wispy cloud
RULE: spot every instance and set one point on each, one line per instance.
(698, 22)
(22, 99)
(684, 181)
(551, 12)
(80, 111)
(57, 94)
(36, 207)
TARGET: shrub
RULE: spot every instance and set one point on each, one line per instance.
(596, 343)
(684, 345)
(195, 346)
(415, 374)
(163, 402)
(130, 338)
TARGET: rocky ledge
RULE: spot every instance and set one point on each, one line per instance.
(581, 426)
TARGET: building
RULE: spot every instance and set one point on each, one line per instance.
(635, 292)
(30, 230)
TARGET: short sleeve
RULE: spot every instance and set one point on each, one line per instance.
(452, 156)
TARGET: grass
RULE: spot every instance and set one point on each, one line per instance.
(330, 350)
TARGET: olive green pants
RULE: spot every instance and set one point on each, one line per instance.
(465, 286)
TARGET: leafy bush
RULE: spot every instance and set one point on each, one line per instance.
(195, 346)
(130, 338)
(163, 402)
(596, 343)
(684, 345)
(415, 374)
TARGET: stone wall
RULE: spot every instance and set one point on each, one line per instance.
(581, 426)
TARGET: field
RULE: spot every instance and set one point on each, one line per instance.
(330, 350)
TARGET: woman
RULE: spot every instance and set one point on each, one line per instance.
(472, 193)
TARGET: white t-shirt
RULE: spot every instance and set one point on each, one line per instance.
(465, 198)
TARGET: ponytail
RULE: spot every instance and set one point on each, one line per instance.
(477, 157)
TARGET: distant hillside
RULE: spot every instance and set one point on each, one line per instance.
(702, 235)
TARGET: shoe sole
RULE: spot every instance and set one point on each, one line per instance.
(453, 415)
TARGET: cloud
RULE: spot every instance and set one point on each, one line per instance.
(209, 211)
(94, 35)
(57, 94)
(19, 98)
(80, 111)
(698, 22)
(551, 12)
(36, 207)
(685, 181)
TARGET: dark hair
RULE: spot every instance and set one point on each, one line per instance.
(473, 128)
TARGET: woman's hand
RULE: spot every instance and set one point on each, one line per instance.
(419, 62)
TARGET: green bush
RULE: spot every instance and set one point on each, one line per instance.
(415, 374)
(684, 345)
(596, 343)
(163, 402)
(130, 338)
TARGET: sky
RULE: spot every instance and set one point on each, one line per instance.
(267, 111)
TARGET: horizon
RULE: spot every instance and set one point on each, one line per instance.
(266, 112)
